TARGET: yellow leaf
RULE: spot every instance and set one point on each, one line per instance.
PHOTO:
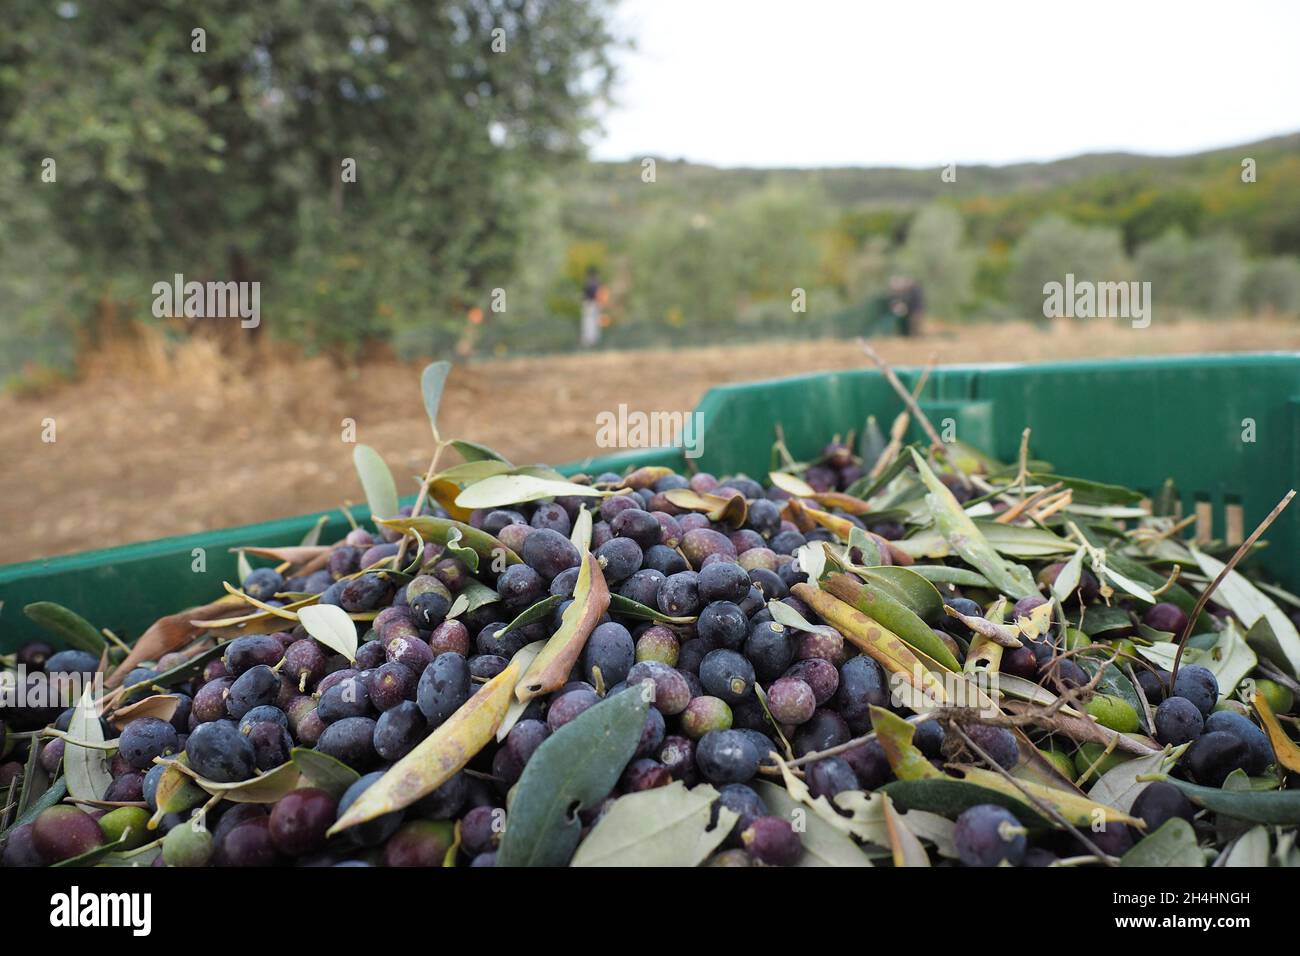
(907, 849)
(550, 671)
(440, 755)
(1288, 754)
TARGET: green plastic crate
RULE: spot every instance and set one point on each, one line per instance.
(1134, 422)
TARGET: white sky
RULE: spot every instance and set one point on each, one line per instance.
(927, 82)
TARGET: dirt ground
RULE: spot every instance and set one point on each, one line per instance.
(154, 441)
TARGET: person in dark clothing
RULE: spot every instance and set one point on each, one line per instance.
(908, 303)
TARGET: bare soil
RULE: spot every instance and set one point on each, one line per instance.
(154, 441)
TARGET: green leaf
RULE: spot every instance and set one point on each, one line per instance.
(823, 844)
(473, 451)
(1089, 492)
(575, 767)
(1174, 844)
(626, 607)
(666, 826)
(331, 626)
(182, 672)
(466, 556)
(331, 775)
(432, 381)
(86, 768)
(535, 612)
(95, 854)
(70, 627)
(1270, 807)
(949, 797)
(440, 529)
(377, 480)
(908, 588)
(942, 574)
(501, 490)
(474, 595)
(266, 787)
(57, 791)
(875, 598)
(965, 538)
(582, 528)
(1021, 542)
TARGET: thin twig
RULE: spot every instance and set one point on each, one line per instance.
(1204, 599)
(1050, 810)
(903, 393)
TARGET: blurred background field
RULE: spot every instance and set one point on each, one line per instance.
(476, 194)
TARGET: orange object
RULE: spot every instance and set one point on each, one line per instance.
(602, 295)
(475, 316)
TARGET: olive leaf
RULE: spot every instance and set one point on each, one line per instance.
(791, 485)
(377, 480)
(1067, 580)
(1269, 807)
(665, 826)
(95, 854)
(312, 538)
(948, 797)
(942, 574)
(1280, 642)
(823, 844)
(515, 712)
(55, 794)
(907, 849)
(1174, 844)
(965, 538)
(872, 638)
(176, 791)
(499, 491)
(784, 614)
(895, 736)
(432, 381)
(1119, 786)
(550, 671)
(581, 534)
(161, 706)
(473, 451)
(466, 556)
(474, 595)
(69, 626)
(1071, 805)
(330, 625)
(534, 612)
(1249, 849)
(242, 568)
(1284, 748)
(438, 758)
(86, 768)
(573, 769)
(626, 607)
(878, 603)
(268, 787)
(323, 771)
(730, 510)
(438, 530)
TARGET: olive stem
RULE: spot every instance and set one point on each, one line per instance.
(1204, 599)
(422, 497)
(88, 744)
